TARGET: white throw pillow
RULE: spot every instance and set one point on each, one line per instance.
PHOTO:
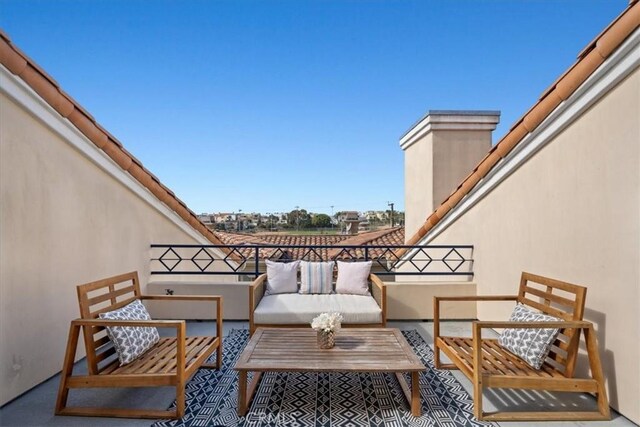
(531, 344)
(353, 278)
(282, 278)
(131, 341)
(316, 277)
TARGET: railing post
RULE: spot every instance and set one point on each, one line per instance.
(366, 253)
(257, 262)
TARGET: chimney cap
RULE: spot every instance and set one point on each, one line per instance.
(462, 113)
(481, 120)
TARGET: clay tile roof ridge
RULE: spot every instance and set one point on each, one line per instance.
(47, 87)
(310, 240)
(238, 238)
(584, 52)
(365, 238)
(588, 61)
(360, 239)
(19, 51)
(592, 44)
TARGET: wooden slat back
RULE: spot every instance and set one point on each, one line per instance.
(99, 297)
(558, 299)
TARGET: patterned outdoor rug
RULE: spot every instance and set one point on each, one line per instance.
(324, 399)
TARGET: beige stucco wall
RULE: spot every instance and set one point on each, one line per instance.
(408, 300)
(64, 222)
(235, 297)
(572, 212)
(434, 166)
(455, 153)
(418, 183)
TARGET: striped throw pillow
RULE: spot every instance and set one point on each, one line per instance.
(316, 277)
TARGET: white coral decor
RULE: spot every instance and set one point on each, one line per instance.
(327, 322)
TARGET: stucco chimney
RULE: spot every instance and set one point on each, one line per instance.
(352, 226)
(439, 151)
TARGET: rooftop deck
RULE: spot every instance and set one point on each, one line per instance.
(35, 408)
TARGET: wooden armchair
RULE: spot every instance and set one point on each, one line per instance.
(488, 365)
(170, 362)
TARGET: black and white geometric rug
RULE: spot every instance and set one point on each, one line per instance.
(324, 399)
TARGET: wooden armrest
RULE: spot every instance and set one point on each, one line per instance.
(256, 291)
(379, 293)
(577, 324)
(111, 322)
(216, 298)
(436, 306)
(375, 280)
(259, 280)
(478, 298)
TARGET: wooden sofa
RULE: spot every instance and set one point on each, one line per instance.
(377, 289)
(488, 365)
(170, 362)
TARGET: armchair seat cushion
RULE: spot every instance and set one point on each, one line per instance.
(299, 308)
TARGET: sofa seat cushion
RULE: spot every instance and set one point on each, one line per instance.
(298, 308)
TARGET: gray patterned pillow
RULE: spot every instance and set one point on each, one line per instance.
(531, 345)
(131, 341)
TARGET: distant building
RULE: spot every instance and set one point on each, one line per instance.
(207, 219)
(375, 216)
(347, 216)
(222, 217)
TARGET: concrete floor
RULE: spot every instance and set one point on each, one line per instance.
(35, 408)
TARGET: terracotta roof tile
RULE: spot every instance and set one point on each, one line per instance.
(242, 239)
(578, 74)
(28, 62)
(456, 197)
(393, 236)
(11, 58)
(617, 32)
(510, 140)
(589, 60)
(44, 85)
(541, 110)
(88, 128)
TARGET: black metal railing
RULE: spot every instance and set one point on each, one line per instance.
(248, 259)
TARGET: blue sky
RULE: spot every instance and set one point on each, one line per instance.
(268, 105)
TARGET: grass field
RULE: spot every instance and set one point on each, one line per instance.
(303, 232)
(312, 232)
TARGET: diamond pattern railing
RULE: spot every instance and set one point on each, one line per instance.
(417, 260)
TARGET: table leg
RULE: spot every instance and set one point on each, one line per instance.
(415, 394)
(242, 393)
(412, 394)
(253, 386)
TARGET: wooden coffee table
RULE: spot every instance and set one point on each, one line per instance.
(356, 350)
